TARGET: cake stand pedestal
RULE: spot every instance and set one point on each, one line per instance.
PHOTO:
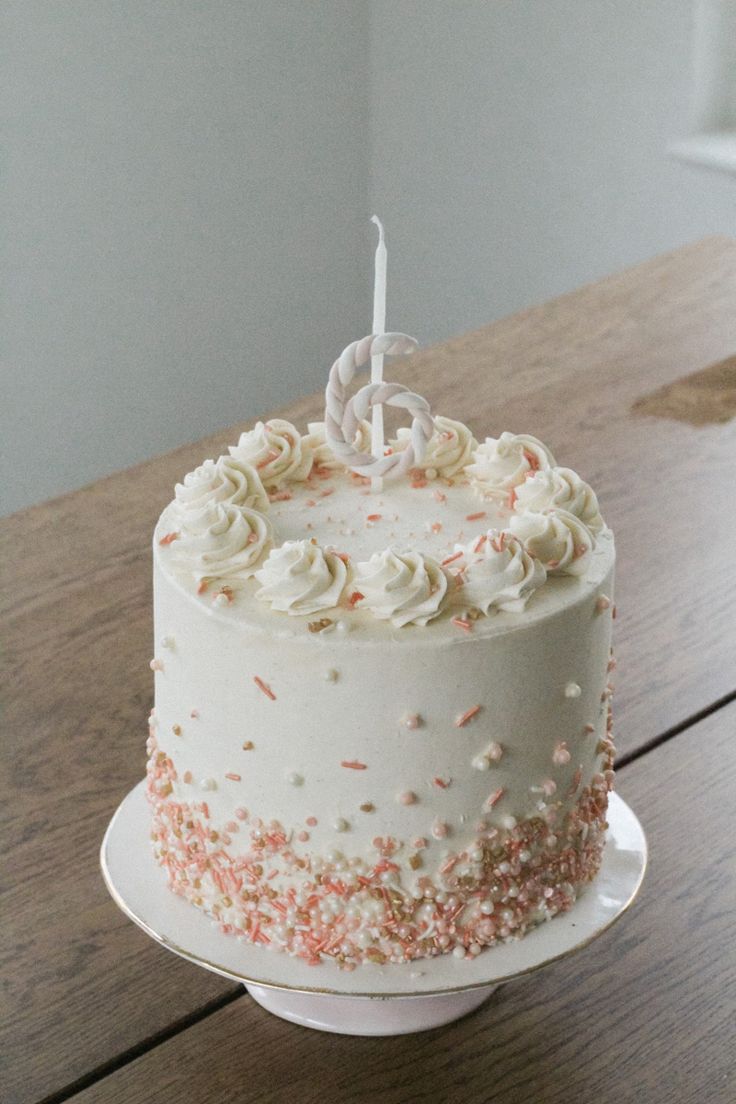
(372, 1000)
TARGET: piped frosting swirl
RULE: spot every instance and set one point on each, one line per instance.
(301, 578)
(278, 452)
(406, 588)
(324, 457)
(226, 480)
(497, 573)
(502, 464)
(449, 450)
(561, 488)
(227, 542)
(558, 539)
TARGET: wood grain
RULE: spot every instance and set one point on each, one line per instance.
(84, 985)
(646, 1014)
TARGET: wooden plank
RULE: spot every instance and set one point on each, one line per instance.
(647, 1013)
(77, 622)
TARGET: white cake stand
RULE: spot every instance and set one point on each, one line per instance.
(371, 1000)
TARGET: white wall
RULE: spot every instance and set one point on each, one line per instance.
(518, 149)
(184, 189)
(187, 188)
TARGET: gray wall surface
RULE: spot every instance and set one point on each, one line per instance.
(186, 189)
(184, 192)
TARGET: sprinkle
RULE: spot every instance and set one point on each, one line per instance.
(572, 690)
(169, 538)
(441, 783)
(589, 728)
(356, 596)
(451, 559)
(613, 613)
(440, 497)
(331, 675)
(320, 626)
(194, 714)
(208, 784)
(475, 517)
(576, 778)
(176, 729)
(467, 716)
(367, 807)
(408, 797)
(233, 777)
(295, 779)
(340, 824)
(264, 687)
(187, 776)
(311, 821)
(303, 837)
(415, 862)
(603, 603)
(248, 745)
(561, 754)
(280, 496)
(462, 624)
(495, 797)
(268, 458)
(310, 502)
(326, 493)
(168, 642)
(419, 843)
(436, 527)
(203, 584)
(156, 665)
(440, 829)
(373, 517)
(412, 721)
(353, 764)
(241, 814)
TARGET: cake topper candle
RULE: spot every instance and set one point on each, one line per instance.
(379, 328)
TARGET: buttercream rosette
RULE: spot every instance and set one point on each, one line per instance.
(406, 588)
(501, 464)
(558, 539)
(277, 451)
(229, 546)
(225, 480)
(561, 488)
(324, 457)
(497, 573)
(302, 578)
(448, 452)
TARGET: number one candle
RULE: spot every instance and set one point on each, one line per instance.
(379, 327)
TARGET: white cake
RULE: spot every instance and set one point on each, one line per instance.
(382, 719)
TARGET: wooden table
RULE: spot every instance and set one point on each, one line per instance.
(630, 382)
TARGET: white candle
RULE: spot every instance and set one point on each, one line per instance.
(379, 327)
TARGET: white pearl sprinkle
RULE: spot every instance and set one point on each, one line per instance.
(167, 642)
(572, 690)
(331, 675)
(508, 821)
(458, 952)
(208, 784)
(294, 778)
(220, 600)
(340, 824)
(486, 907)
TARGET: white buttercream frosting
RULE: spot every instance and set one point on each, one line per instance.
(226, 480)
(406, 588)
(564, 489)
(561, 541)
(301, 578)
(449, 450)
(324, 457)
(501, 464)
(278, 452)
(227, 542)
(498, 574)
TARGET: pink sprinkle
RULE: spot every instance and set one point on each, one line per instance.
(169, 538)
(326, 492)
(475, 517)
(303, 837)
(231, 826)
(311, 502)
(451, 559)
(194, 714)
(576, 779)
(549, 787)
(419, 843)
(436, 526)
(440, 829)
(156, 665)
(495, 797)
(233, 777)
(187, 777)
(461, 623)
(356, 596)
(441, 783)
(590, 728)
(203, 584)
(412, 721)
(353, 764)
(467, 716)
(561, 754)
(494, 751)
(241, 814)
(311, 821)
(407, 798)
(373, 517)
(440, 496)
(280, 496)
(264, 687)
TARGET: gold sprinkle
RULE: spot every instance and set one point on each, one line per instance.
(367, 807)
(248, 745)
(415, 861)
(319, 626)
(176, 729)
